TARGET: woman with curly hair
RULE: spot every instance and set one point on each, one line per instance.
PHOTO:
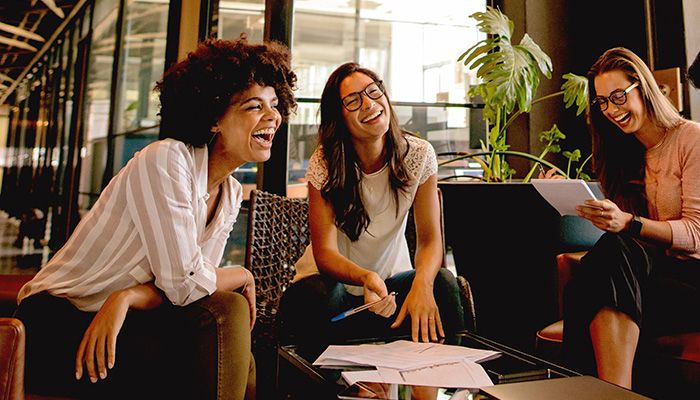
(135, 300)
(363, 178)
(642, 277)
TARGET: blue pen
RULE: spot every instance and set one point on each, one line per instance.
(358, 309)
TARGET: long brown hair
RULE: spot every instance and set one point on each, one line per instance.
(342, 189)
(619, 159)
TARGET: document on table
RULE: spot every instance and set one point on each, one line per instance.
(455, 374)
(564, 194)
(401, 354)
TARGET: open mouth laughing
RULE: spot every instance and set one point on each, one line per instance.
(264, 136)
(372, 117)
(623, 118)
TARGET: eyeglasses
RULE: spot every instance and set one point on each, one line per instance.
(618, 97)
(353, 101)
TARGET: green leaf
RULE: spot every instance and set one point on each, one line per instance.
(575, 89)
(552, 135)
(538, 56)
(478, 49)
(573, 156)
(493, 22)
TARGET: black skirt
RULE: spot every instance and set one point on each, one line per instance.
(659, 293)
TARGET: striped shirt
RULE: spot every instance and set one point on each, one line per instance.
(149, 224)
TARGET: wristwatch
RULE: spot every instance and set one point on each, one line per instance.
(635, 227)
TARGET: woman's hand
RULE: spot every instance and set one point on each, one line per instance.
(101, 335)
(550, 174)
(605, 215)
(375, 289)
(425, 317)
(241, 280)
(98, 348)
(248, 291)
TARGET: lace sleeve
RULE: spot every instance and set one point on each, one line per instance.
(421, 160)
(317, 171)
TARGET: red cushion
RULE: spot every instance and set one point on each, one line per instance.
(11, 284)
(684, 346)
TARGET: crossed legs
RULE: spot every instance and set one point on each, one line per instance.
(614, 337)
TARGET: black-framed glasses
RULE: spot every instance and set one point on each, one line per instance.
(618, 97)
(353, 101)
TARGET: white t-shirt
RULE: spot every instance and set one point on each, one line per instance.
(149, 224)
(382, 247)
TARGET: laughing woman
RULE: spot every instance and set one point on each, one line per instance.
(134, 301)
(363, 178)
(643, 276)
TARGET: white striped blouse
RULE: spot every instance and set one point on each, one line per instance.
(149, 224)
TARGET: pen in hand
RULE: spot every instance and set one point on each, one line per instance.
(363, 307)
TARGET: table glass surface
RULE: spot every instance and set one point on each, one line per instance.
(512, 366)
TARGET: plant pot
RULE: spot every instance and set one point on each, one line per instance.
(504, 238)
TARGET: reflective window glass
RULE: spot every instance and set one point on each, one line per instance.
(98, 88)
(243, 16)
(142, 60)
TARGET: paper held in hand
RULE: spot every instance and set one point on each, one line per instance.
(564, 194)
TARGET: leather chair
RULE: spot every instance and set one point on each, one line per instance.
(12, 346)
(675, 357)
(11, 359)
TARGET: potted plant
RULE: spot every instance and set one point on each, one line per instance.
(504, 236)
(510, 75)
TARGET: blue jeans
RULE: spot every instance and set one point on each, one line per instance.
(308, 305)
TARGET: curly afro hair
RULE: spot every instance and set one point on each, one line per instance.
(196, 92)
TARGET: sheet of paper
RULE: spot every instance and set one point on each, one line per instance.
(370, 375)
(456, 374)
(400, 354)
(564, 194)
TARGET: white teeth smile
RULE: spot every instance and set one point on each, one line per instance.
(372, 116)
(264, 135)
(621, 117)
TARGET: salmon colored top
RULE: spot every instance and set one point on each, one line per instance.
(672, 182)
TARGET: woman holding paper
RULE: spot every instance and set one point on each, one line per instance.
(644, 273)
(363, 178)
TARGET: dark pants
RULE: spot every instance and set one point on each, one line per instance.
(198, 351)
(308, 305)
(661, 294)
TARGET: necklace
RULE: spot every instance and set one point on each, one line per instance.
(660, 142)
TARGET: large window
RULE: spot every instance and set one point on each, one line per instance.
(97, 102)
(141, 59)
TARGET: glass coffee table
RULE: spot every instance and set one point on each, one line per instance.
(297, 378)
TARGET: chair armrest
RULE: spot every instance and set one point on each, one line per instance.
(565, 265)
(12, 358)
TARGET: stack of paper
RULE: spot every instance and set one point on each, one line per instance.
(428, 364)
